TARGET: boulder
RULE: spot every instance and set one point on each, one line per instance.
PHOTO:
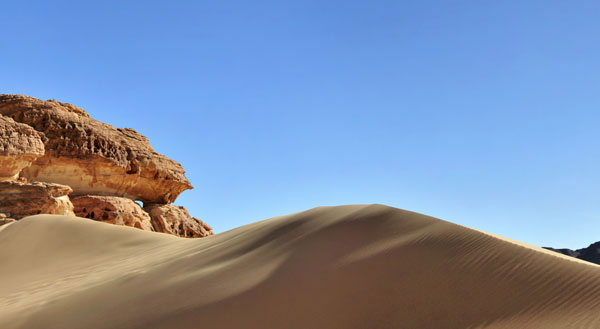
(114, 210)
(4, 221)
(176, 220)
(93, 157)
(19, 146)
(20, 199)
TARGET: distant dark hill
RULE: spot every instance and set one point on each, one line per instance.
(590, 254)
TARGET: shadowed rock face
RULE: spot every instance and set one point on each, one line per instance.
(19, 146)
(176, 220)
(18, 199)
(590, 254)
(114, 210)
(93, 157)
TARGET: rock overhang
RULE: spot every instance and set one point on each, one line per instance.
(94, 157)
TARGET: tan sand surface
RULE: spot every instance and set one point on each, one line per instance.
(366, 266)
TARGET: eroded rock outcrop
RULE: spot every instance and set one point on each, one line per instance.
(176, 220)
(114, 210)
(5, 220)
(103, 168)
(93, 157)
(20, 199)
(19, 146)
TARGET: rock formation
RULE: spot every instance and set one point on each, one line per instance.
(49, 149)
(590, 254)
(19, 146)
(93, 157)
(177, 221)
(114, 210)
(6, 221)
(19, 199)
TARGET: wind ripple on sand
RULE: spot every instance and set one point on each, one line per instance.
(365, 266)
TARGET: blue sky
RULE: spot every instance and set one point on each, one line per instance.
(483, 113)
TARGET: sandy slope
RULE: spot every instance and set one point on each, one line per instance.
(329, 267)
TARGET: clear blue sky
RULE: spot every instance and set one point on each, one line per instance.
(483, 113)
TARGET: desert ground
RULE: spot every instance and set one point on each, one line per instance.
(361, 266)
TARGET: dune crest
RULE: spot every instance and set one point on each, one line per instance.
(364, 266)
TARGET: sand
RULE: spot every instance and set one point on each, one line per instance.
(366, 266)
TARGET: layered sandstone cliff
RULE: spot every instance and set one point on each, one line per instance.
(50, 149)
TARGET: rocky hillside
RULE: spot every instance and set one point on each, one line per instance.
(56, 159)
(590, 254)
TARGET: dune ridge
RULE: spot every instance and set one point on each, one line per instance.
(361, 266)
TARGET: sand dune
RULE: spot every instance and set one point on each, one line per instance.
(330, 267)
